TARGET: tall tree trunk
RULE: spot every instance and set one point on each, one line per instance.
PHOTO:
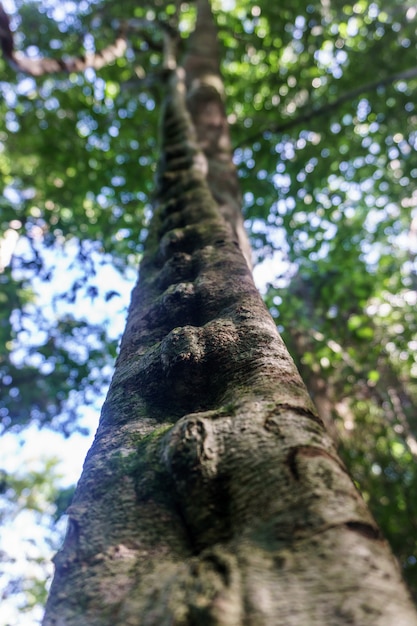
(212, 493)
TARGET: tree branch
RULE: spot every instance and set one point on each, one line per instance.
(95, 60)
(43, 65)
(309, 114)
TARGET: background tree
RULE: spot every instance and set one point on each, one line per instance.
(285, 64)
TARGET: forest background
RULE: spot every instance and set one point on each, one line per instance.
(323, 119)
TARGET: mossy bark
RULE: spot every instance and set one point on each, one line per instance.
(212, 494)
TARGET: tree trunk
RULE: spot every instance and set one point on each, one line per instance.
(212, 493)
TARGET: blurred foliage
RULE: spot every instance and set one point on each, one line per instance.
(323, 116)
(31, 504)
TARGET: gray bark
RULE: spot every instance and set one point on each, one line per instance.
(212, 493)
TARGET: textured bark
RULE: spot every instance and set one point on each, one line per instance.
(212, 493)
